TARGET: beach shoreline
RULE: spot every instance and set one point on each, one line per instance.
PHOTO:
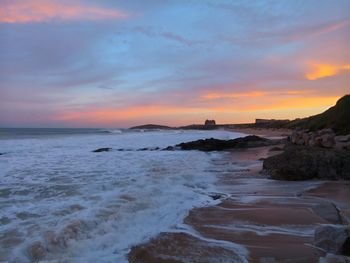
(263, 132)
(257, 220)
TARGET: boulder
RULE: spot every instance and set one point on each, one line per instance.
(346, 246)
(318, 141)
(331, 238)
(343, 138)
(304, 163)
(102, 150)
(328, 140)
(306, 138)
(346, 146)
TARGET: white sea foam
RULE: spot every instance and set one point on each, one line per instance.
(92, 207)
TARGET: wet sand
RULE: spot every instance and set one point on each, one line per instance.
(259, 220)
(265, 132)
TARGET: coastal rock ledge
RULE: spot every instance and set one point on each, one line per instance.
(304, 163)
(221, 145)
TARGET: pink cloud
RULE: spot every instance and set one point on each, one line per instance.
(16, 11)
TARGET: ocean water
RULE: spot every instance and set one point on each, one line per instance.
(82, 206)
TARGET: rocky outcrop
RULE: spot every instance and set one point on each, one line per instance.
(102, 150)
(322, 138)
(332, 238)
(221, 145)
(303, 163)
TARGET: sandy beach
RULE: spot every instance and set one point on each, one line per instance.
(264, 132)
(258, 220)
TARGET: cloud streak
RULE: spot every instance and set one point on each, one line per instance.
(17, 11)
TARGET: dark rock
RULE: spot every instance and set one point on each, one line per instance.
(220, 145)
(143, 149)
(149, 149)
(151, 127)
(331, 238)
(169, 148)
(216, 196)
(346, 247)
(304, 163)
(102, 150)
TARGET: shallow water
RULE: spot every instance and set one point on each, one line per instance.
(92, 207)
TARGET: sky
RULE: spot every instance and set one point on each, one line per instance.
(114, 63)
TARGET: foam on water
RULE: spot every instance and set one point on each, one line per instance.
(92, 207)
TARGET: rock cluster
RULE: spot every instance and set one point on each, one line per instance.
(102, 150)
(323, 138)
(221, 145)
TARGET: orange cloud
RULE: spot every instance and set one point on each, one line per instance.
(216, 95)
(252, 94)
(325, 70)
(30, 11)
(133, 112)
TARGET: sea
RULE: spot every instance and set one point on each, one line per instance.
(62, 202)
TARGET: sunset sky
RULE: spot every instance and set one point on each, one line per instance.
(111, 63)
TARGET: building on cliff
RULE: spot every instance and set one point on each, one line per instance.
(210, 123)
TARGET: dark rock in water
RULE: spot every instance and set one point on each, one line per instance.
(149, 149)
(216, 196)
(220, 145)
(143, 149)
(304, 163)
(169, 148)
(331, 238)
(102, 150)
(152, 127)
(346, 247)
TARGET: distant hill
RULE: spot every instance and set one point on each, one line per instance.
(152, 127)
(336, 118)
